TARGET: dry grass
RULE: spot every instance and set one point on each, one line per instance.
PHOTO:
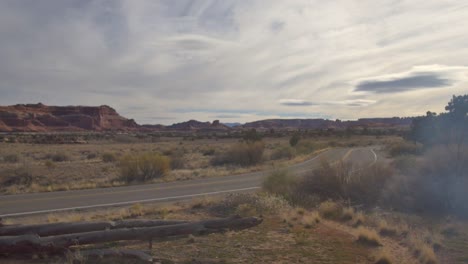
(330, 210)
(383, 256)
(272, 241)
(368, 237)
(386, 229)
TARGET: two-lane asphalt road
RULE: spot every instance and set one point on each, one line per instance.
(34, 203)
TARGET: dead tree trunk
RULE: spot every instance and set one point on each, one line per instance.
(25, 244)
(53, 229)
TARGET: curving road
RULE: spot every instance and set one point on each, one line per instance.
(35, 203)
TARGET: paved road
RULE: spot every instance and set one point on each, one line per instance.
(35, 203)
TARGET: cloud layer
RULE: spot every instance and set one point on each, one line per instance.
(235, 60)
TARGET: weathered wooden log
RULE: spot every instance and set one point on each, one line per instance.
(25, 244)
(115, 253)
(54, 229)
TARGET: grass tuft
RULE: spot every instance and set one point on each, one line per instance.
(368, 237)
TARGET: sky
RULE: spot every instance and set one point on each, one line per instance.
(167, 61)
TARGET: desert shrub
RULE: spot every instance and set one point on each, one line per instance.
(19, 176)
(58, 157)
(143, 167)
(360, 185)
(330, 210)
(108, 157)
(49, 164)
(11, 158)
(91, 156)
(305, 147)
(280, 183)
(404, 148)
(208, 151)
(244, 154)
(435, 184)
(177, 158)
(283, 152)
(294, 139)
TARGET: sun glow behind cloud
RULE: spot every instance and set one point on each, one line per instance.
(235, 60)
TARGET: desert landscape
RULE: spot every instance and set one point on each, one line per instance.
(355, 193)
(227, 131)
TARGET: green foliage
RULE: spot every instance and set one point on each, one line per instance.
(446, 128)
(458, 107)
(143, 167)
(294, 139)
(108, 157)
(243, 154)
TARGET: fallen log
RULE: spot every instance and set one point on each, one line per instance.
(27, 244)
(54, 229)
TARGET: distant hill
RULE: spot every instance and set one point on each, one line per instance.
(43, 118)
(325, 123)
(192, 125)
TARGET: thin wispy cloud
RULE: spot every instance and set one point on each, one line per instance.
(339, 59)
(295, 102)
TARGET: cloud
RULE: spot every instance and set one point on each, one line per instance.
(295, 102)
(238, 58)
(420, 77)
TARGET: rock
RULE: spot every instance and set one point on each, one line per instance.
(42, 118)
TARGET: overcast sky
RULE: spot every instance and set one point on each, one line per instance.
(235, 60)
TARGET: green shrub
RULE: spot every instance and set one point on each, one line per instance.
(11, 158)
(108, 157)
(244, 154)
(143, 167)
(294, 139)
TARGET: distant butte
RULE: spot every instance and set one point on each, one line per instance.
(42, 118)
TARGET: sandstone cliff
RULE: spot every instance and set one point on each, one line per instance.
(42, 118)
